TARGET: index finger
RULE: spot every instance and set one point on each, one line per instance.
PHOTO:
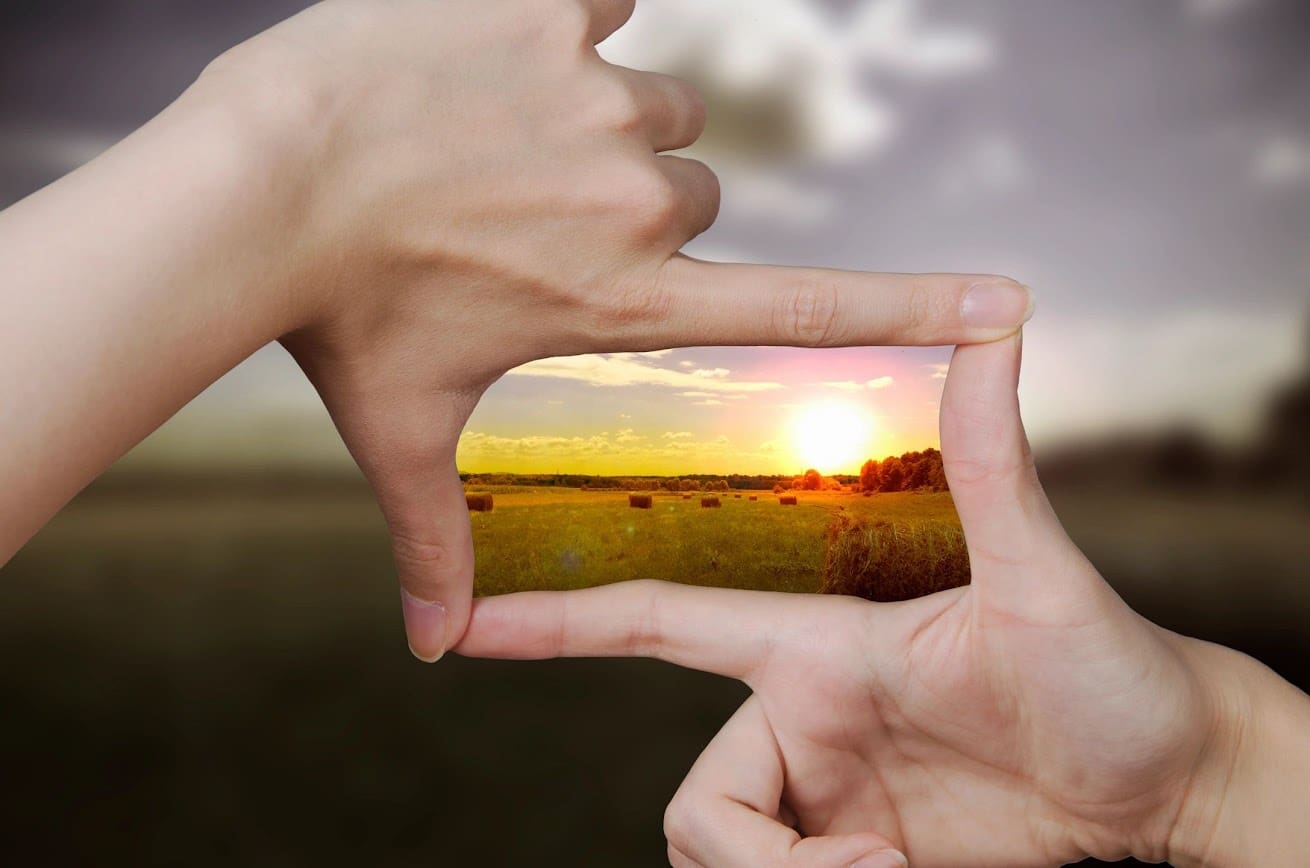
(726, 632)
(703, 303)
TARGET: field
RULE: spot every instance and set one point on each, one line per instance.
(219, 669)
(554, 539)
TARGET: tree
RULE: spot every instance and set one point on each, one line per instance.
(870, 476)
(893, 475)
(813, 480)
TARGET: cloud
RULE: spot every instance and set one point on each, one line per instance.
(790, 86)
(686, 364)
(695, 395)
(892, 35)
(709, 402)
(938, 371)
(988, 165)
(628, 435)
(1215, 9)
(853, 386)
(1282, 161)
(52, 149)
(624, 369)
(675, 435)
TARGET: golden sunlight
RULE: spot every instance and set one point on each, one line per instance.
(832, 437)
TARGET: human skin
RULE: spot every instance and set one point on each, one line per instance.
(413, 197)
(1029, 718)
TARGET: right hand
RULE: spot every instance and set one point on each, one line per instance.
(1028, 719)
(467, 186)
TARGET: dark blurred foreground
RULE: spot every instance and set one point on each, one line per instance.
(215, 673)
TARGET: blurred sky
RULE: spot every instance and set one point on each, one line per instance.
(1143, 164)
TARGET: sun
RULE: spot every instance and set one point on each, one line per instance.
(833, 437)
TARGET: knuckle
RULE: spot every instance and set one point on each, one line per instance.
(694, 107)
(652, 202)
(634, 305)
(622, 109)
(679, 821)
(410, 550)
(570, 19)
(555, 20)
(918, 305)
(809, 314)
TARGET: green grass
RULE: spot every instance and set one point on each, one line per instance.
(548, 539)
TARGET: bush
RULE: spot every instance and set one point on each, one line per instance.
(886, 562)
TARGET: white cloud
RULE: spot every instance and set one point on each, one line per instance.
(1282, 161)
(853, 386)
(625, 369)
(708, 402)
(676, 435)
(50, 148)
(788, 85)
(1215, 9)
(891, 34)
(1211, 368)
(992, 164)
(939, 371)
(686, 364)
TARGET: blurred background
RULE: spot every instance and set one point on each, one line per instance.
(203, 660)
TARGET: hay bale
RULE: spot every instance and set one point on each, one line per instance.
(754, 497)
(887, 562)
(640, 501)
(710, 503)
(686, 497)
(787, 500)
(737, 496)
(478, 502)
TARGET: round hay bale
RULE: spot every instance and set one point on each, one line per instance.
(710, 503)
(479, 502)
(754, 497)
(787, 500)
(640, 501)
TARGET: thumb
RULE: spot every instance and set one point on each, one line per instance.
(432, 545)
(1007, 519)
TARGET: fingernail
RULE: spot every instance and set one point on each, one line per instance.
(883, 859)
(425, 627)
(997, 305)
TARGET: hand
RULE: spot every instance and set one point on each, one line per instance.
(1030, 718)
(472, 187)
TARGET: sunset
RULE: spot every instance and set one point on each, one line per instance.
(721, 410)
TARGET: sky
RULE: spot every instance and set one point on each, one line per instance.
(1144, 165)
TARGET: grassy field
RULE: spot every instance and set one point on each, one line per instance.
(554, 539)
(219, 670)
